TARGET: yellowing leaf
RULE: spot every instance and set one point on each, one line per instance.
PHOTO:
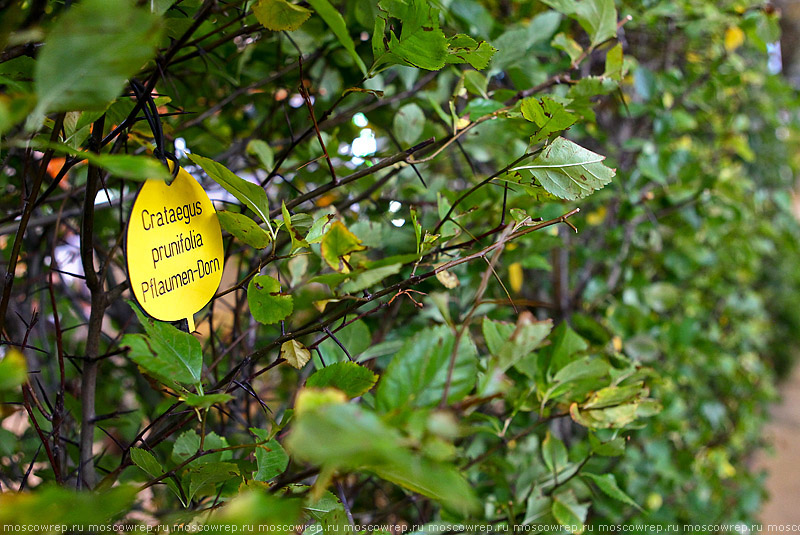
(280, 15)
(295, 353)
(448, 279)
(13, 371)
(337, 245)
(310, 398)
(734, 38)
(596, 217)
(515, 276)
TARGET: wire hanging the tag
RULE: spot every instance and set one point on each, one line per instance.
(153, 119)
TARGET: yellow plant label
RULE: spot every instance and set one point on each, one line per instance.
(174, 248)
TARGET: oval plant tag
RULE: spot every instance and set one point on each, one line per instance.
(174, 248)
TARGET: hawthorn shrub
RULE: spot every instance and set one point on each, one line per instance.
(507, 265)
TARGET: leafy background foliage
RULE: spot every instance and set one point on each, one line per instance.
(409, 329)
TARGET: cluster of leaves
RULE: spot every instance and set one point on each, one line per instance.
(409, 331)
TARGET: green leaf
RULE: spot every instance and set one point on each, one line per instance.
(568, 512)
(479, 107)
(336, 23)
(130, 166)
(297, 239)
(464, 49)
(567, 170)
(349, 377)
(511, 343)
(165, 352)
(370, 277)
(280, 15)
(417, 374)
(496, 334)
(204, 478)
(146, 461)
(13, 370)
(614, 395)
(244, 228)
(597, 17)
(329, 512)
(317, 230)
(204, 401)
(408, 123)
(345, 436)
(271, 458)
(337, 244)
(185, 446)
(421, 42)
(611, 448)
(608, 484)
(613, 68)
(581, 369)
(568, 45)
(252, 195)
(263, 151)
(258, 507)
(267, 304)
(55, 506)
(549, 115)
(122, 165)
(91, 51)
(356, 337)
(554, 453)
(295, 353)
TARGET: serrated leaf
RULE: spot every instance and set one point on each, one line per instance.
(244, 228)
(146, 461)
(608, 484)
(185, 446)
(417, 374)
(567, 170)
(267, 304)
(295, 353)
(251, 195)
(342, 436)
(421, 42)
(206, 476)
(280, 15)
(464, 49)
(271, 458)
(597, 17)
(550, 116)
(349, 377)
(165, 352)
(338, 243)
(90, 53)
(336, 23)
(568, 512)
